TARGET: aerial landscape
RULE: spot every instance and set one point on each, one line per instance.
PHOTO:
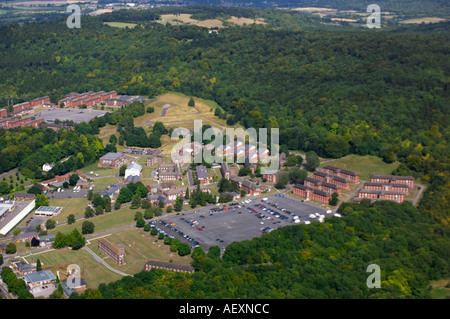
(224, 150)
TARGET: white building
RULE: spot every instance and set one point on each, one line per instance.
(47, 166)
(18, 217)
(134, 169)
(48, 211)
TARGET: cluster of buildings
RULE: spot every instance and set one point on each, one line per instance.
(15, 117)
(322, 184)
(88, 98)
(168, 192)
(43, 282)
(386, 187)
(243, 151)
(251, 188)
(82, 182)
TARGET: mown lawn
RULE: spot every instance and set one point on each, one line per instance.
(365, 166)
(93, 272)
(139, 246)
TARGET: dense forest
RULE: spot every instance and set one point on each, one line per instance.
(331, 92)
(334, 92)
(29, 148)
(321, 260)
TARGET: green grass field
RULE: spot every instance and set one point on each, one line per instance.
(121, 24)
(103, 222)
(365, 166)
(140, 246)
(74, 206)
(93, 272)
(440, 289)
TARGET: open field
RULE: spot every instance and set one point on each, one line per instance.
(74, 206)
(115, 218)
(242, 21)
(120, 24)
(180, 111)
(365, 166)
(314, 9)
(93, 272)
(440, 289)
(140, 246)
(185, 18)
(423, 20)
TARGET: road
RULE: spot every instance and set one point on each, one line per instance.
(9, 173)
(419, 194)
(189, 174)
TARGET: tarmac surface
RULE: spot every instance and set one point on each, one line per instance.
(208, 227)
(76, 115)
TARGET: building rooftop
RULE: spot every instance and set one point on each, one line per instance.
(39, 276)
(111, 156)
(134, 165)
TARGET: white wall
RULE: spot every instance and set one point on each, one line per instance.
(7, 228)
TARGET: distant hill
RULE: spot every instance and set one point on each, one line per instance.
(424, 8)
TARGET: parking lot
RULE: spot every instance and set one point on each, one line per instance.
(76, 115)
(221, 225)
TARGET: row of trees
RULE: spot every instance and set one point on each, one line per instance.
(15, 285)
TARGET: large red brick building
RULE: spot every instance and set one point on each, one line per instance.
(396, 187)
(398, 197)
(115, 253)
(389, 179)
(312, 194)
(350, 176)
(13, 122)
(340, 182)
(40, 101)
(321, 185)
(88, 98)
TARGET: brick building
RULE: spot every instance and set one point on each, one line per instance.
(321, 185)
(115, 253)
(202, 175)
(388, 179)
(312, 194)
(350, 176)
(151, 264)
(40, 101)
(111, 160)
(398, 197)
(169, 172)
(396, 187)
(335, 180)
(155, 158)
(3, 113)
(250, 187)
